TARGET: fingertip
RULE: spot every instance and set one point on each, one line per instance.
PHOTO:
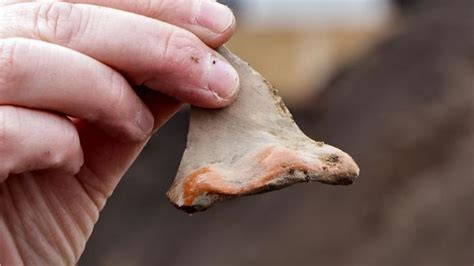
(144, 122)
(137, 128)
(76, 157)
(221, 85)
(219, 20)
(223, 81)
(67, 157)
(218, 40)
(214, 16)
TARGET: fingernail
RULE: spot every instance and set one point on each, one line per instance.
(145, 122)
(214, 16)
(223, 78)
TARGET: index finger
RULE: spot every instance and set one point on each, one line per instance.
(148, 52)
(212, 22)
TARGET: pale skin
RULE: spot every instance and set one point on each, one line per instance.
(83, 86)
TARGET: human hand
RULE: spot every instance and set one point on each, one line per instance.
(71, 123)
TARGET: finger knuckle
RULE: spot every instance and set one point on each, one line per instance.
(8, 74)
(59, 21)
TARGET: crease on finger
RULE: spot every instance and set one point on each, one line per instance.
(12, 2)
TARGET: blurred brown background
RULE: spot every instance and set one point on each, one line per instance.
(391, 83)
